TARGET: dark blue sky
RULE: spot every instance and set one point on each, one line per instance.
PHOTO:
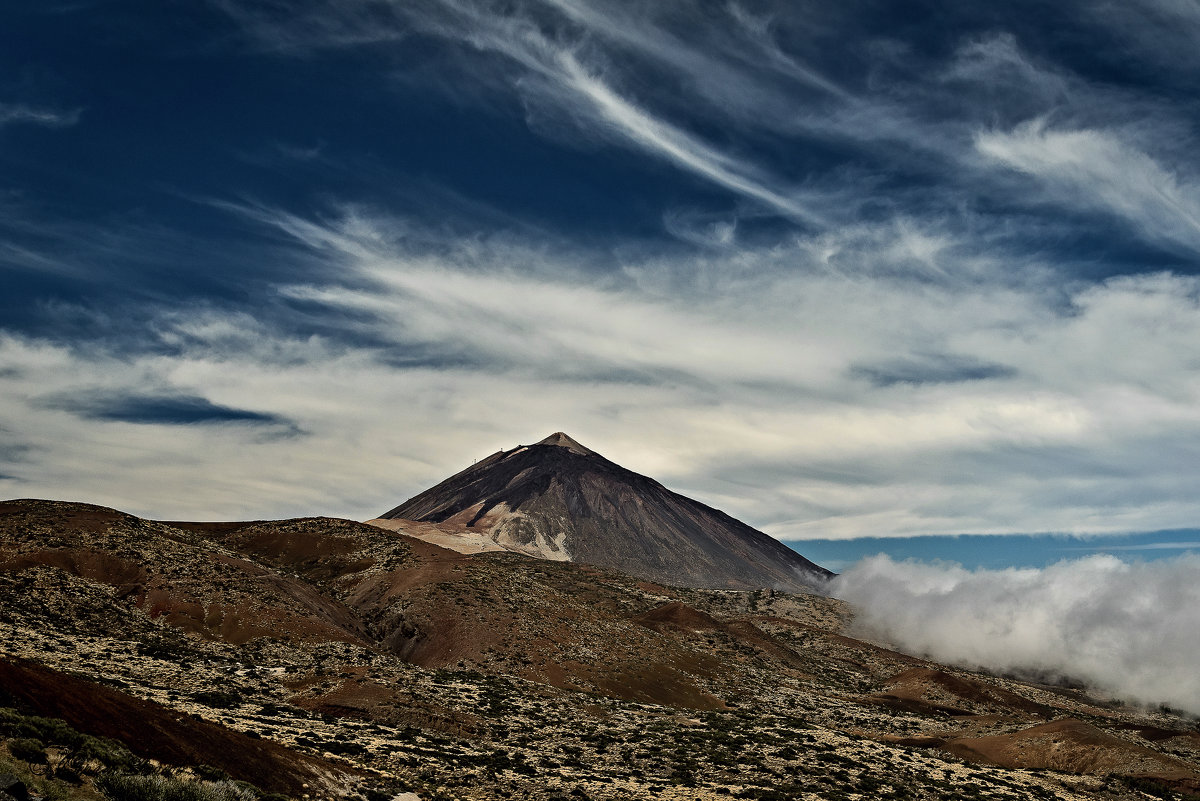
(843, 270)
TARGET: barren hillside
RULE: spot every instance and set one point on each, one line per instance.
(361, 662)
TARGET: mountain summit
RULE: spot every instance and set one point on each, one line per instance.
(562, 501)
(563, 441)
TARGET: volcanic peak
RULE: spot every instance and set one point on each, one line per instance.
(561, 440)
(561, 501)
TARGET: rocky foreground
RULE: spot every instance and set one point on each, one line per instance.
(324, 658)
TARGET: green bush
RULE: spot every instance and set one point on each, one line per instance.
(56, 731)
(32, 733)
(170, 646)
(343, 748)
(48, 730)
(126, 787)
(68, 774)
(218, 699)
(1147, 786)
(28, 749)
(109, 753)
(211, 774)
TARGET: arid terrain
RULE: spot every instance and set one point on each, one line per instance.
(325, 658)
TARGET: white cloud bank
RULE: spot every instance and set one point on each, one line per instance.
(1128, 629)
(818, 387)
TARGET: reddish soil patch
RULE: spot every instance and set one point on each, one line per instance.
(361, 698)
(914, 705)
(1157, 735)
(940, 691)
(659, 684)
(153, 731)
(1073, 746)
(840, 640)
(291, 609)
(746, 632)
(433, 629)
(106, 568)
(677, 615)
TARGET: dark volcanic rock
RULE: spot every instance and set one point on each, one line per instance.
(12, 787)
(560, 500)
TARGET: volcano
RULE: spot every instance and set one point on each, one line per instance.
(562, 501)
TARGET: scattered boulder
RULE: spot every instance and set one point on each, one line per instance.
(14, 788)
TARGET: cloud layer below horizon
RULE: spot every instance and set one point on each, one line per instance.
(1122, 628)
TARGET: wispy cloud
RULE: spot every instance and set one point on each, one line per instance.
(1119, 627)
(987, 407)
(660, 81)
(21, 113)
(1097, 169)
(568, 85)
(684, 150)
(566, 80)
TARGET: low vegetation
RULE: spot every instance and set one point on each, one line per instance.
(495, 677)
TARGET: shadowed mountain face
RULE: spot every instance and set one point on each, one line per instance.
(559, 500)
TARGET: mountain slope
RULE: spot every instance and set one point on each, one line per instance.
(368, 664)
(561, 501)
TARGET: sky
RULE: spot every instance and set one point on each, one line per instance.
(977, 552)
(843, 270)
